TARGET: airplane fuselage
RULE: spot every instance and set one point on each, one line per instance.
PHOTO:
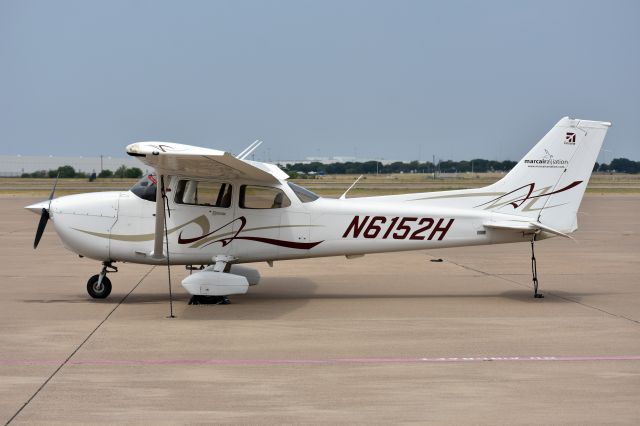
(119, 226)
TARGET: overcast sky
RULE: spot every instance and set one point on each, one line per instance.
(393, 79)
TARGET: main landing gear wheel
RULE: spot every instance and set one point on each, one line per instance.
(98, 290)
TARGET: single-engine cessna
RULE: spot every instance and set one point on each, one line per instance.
(210, 208)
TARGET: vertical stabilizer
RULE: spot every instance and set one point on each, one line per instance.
(548, 184)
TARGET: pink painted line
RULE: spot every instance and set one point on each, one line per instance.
(328, 361)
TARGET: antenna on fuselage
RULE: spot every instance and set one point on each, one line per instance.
(343, 196)
(248, 150)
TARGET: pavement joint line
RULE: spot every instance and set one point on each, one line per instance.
(66, 361)
(338, 361)
(586, 305)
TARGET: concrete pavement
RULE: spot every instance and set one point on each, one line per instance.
(380, 339)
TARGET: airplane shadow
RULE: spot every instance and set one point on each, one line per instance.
(523, 295)
(551, 296)
(275, 297)
(114, 299)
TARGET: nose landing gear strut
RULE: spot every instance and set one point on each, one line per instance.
(99, 286)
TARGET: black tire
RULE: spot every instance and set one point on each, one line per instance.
(94, 291)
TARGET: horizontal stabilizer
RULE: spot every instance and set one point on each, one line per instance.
(524, 226)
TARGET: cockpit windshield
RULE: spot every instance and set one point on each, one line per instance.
(145, 188)
(302, 193)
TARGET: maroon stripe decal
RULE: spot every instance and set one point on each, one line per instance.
(517, 203)
(243, 222)
(566, 188)
(282, 243)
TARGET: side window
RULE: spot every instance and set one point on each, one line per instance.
(262, 197)
(203, 193)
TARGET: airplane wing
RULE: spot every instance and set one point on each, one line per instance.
(177, 159)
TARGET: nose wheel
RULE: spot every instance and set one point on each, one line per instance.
(99, 286)
(97, 289)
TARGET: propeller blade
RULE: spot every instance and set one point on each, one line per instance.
(53, 190)
(44, 218)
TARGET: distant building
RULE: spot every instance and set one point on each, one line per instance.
(15, 165)
(332, 160)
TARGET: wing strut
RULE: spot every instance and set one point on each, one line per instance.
(157, 246)
(165, 204)
(162, 233)
(248, 150)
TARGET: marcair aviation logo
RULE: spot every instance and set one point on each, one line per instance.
(570, 138)
(547, 161)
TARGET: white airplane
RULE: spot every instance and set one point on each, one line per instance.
(210, 208)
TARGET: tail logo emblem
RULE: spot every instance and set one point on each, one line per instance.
(547, 161)
(570, 138)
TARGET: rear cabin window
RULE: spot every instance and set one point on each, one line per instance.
(262, 197)
(203, 193)
(145, 188)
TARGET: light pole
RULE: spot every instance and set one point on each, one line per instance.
(433, 164)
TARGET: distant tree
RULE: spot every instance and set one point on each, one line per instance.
(335, 168)
(316, 166)
(36, 174)
(395, 167)
(508, 165)
(464, 166)
(624, 165)
(448, 166)
(106, 173)
(480, 165)
(595, 167)
(369, 166)
(120, 172)
(63, 172)
(132, 173)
